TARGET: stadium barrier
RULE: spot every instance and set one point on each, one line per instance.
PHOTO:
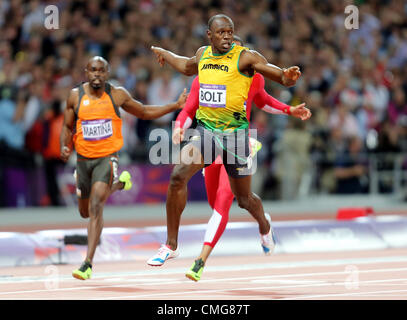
(240, 238)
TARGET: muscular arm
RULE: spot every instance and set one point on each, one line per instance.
(252, 60)
(270, 104)
(185, 65)
(265, 101)
(65, 137)
(145, 112)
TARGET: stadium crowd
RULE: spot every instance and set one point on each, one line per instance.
(353, 80)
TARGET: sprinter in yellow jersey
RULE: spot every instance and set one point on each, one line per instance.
(92, 122)
(225, 74)
(223, 90)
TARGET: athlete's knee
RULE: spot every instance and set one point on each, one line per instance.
(178, 178)
(84, 213)
(243, 201)
(84, 209)
(96, 208)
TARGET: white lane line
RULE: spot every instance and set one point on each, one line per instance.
(214, 269)
(205, 291)
(200, 292)
(154, 282)
(229, 268)
(366, 293)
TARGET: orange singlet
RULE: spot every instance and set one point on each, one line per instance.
(98, 127)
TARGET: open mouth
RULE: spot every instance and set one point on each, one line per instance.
(96, 83)
(226, 45)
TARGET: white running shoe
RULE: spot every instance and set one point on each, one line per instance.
(163, 254)
(267, 240)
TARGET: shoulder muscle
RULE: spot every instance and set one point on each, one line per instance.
(120, 95)
(73, 98)
(199, 53)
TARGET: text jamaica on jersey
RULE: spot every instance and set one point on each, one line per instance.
(213, 66)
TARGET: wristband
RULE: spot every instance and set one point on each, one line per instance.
(287, 110)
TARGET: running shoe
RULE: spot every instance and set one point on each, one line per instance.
(125, 177)
(84, 272)
(163, 254)
(255, 146)
(195, 272)
(267, 240)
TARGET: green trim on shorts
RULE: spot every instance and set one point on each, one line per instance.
(228, 151)
(210, 128)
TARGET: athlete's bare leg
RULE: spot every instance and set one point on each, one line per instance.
(83, 204)
(116, 186)
(206, 251)
(178, 192)
(98, 196)
(246, 199)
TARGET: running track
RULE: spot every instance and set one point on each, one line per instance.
(367, 275)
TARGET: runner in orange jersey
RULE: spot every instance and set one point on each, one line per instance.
(92, 122)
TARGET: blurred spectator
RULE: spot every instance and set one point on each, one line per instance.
(351, 168)
(398, 106)
(164, 88)
(354, 81)
(344, 121)
(293, 158)
(11, 124)
(388, 138)
(142, 126)
(52, 126)
(264, 134)
(376, 94)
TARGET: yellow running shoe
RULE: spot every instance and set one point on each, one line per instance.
(84, 272)
(196, 270)
(255, 146)
(125, 177)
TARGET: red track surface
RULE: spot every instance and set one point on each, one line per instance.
(343, 275)
(367, 275)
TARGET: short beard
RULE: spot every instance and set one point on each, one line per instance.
(95, 86)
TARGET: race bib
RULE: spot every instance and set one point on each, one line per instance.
(97, 129)
(212, 95)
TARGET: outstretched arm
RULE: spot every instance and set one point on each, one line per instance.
(252, 60)
(271, 105)
(185, 65)
(146, 112)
